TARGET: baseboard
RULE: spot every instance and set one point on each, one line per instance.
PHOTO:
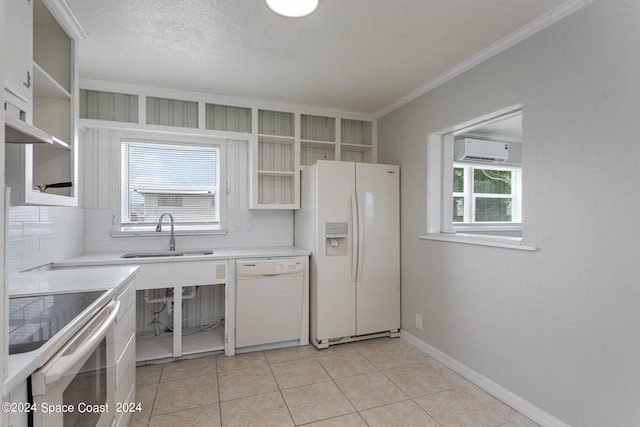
(496, 390)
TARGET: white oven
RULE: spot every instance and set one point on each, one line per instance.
(76, 386)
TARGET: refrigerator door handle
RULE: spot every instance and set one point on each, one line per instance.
(360, 239)
(354, 237)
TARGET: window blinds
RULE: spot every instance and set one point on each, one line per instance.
(177, 178)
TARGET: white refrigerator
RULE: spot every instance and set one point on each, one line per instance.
(349, 218)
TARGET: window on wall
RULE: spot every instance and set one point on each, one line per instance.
(474, 185)
(485, 195)
(181, 179)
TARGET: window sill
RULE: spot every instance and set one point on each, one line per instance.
(466, 228)
(481, 240)
(143, 233)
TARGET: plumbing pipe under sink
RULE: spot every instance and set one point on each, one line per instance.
(168, 298)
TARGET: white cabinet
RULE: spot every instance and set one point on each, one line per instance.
(18, 396)
(227, 118)
(317, 138)
(45, 173)
(287, 141)
(334, 138)
(191, 297)
(125, 352)
(356, 140)
(275, 180)
(18, 72)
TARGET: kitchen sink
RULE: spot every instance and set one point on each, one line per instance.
(160, 254)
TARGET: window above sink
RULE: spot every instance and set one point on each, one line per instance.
(181, 179)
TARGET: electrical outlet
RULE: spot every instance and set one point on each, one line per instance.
(419, 321)
(248, 225)
(237, 225)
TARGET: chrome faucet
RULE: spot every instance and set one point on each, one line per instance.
(172, 240)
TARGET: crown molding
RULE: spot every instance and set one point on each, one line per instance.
(63, 13)
(538, 24)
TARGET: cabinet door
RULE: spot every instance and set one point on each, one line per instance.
(18, 67)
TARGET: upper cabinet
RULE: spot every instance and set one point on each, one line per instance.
(336, 138)
(356, 140)
(282, 139)
(317, 138)
(42, 169)
(227, 118)
(275, 183)
(287, 141)
(18, 72)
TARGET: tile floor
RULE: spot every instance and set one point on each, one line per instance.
(383, 382)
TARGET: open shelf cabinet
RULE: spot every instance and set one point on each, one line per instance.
(275, 162)
(31, 169)
(317, 138)
(287, 141)
(200, 318)
(356, 140)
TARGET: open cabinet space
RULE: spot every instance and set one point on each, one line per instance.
(46, 173)
(196, 311)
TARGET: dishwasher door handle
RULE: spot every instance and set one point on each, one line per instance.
(275, 274)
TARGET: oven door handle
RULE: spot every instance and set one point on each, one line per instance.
(81, 345)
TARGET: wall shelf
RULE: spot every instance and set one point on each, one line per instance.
(271, 139)
(275, 173)
(355, 147)
(307, 143)
(46, 86)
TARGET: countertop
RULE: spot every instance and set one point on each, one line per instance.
(114, 258)
(111, 279)
(72, 280)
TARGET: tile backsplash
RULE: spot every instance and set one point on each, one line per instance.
(245, 228)
(40, 235)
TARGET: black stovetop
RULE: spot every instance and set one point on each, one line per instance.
(36, 319)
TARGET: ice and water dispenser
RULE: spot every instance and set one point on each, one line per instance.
(336, 236)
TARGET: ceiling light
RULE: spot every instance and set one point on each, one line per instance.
(293, 8)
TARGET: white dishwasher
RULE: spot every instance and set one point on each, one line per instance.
(269, 301)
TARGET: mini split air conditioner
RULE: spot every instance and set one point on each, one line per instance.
(479, 150)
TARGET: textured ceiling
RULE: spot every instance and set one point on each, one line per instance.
(358, 55)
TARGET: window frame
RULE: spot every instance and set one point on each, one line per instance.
(439, 192)
(470, 195)
(172, 139)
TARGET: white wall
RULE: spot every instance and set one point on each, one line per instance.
(559, 327)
